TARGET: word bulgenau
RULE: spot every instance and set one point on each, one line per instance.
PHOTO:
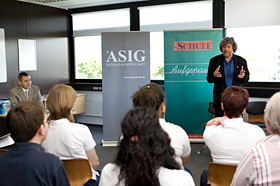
(192, 45)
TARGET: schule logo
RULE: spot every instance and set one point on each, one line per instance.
(192, 45)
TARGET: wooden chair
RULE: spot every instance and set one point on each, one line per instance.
(255, 111)
(220, 174)
(78, 171)
(3, 150)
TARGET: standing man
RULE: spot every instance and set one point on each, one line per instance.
(25, 91)
(25, 163)
(225, 70)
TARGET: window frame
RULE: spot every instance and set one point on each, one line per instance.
(255, 89)
(96, 84)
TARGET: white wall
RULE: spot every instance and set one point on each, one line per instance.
(94, 113)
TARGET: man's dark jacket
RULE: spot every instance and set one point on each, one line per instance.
(220, 83)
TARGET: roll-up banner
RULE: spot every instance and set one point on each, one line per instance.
(186, 58)
(125, 68)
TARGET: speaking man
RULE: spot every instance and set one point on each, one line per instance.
(25, 91)
(225, 70)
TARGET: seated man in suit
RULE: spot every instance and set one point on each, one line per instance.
(25, 91)
(227, 142)
(260, 163)
(26, 163)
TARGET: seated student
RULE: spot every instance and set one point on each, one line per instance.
(227, 142)
(66, 139)
(153, 97)
(25, 91)
(144, 155)
(260, 163)
(26, 163)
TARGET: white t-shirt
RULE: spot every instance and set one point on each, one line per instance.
(69, 141)
(227, 144)
(167, 177)
(179, 140)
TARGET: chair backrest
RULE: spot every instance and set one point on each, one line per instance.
(211, 108)
(220, 174)
(255, 111)
(78, 171)
(3, 150)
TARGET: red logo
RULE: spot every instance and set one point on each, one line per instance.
(192, 45)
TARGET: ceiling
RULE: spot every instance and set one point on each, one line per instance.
(70, 4)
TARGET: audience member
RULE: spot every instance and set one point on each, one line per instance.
(67, 139)
(144, 155)
(260, 163)
(26, 163)
(153, 97)
(227, 142)
(25, 91)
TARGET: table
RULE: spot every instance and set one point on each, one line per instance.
(78, 108)
(79, 105)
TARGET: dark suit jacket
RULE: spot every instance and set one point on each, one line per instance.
(17, 94)
(220, 83)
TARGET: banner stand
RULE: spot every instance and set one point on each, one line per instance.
(125, 68)
(186, 58)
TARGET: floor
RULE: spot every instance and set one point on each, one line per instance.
(197, 163)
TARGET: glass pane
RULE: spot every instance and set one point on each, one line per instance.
(101, 19)
(176, 13)
(260, 46)
(171, 17)
(156, 55)
(88, 57)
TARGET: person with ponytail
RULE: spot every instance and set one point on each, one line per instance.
(153, 97)
(144, 155)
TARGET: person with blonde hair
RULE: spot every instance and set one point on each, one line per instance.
(67, 139)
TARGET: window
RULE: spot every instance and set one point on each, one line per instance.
(257, 35)
(260, 47)
(171, 17)
(87, 28)
(88, 57)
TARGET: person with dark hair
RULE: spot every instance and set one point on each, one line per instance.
(260, 162)
(25, 91)
(153, 97)
(227, 140)
(226, 70)
(144, 155)
(26, 163)
(67, 139)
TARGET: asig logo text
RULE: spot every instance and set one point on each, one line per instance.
(126, 56)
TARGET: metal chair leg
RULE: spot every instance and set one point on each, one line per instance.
(204, 147)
